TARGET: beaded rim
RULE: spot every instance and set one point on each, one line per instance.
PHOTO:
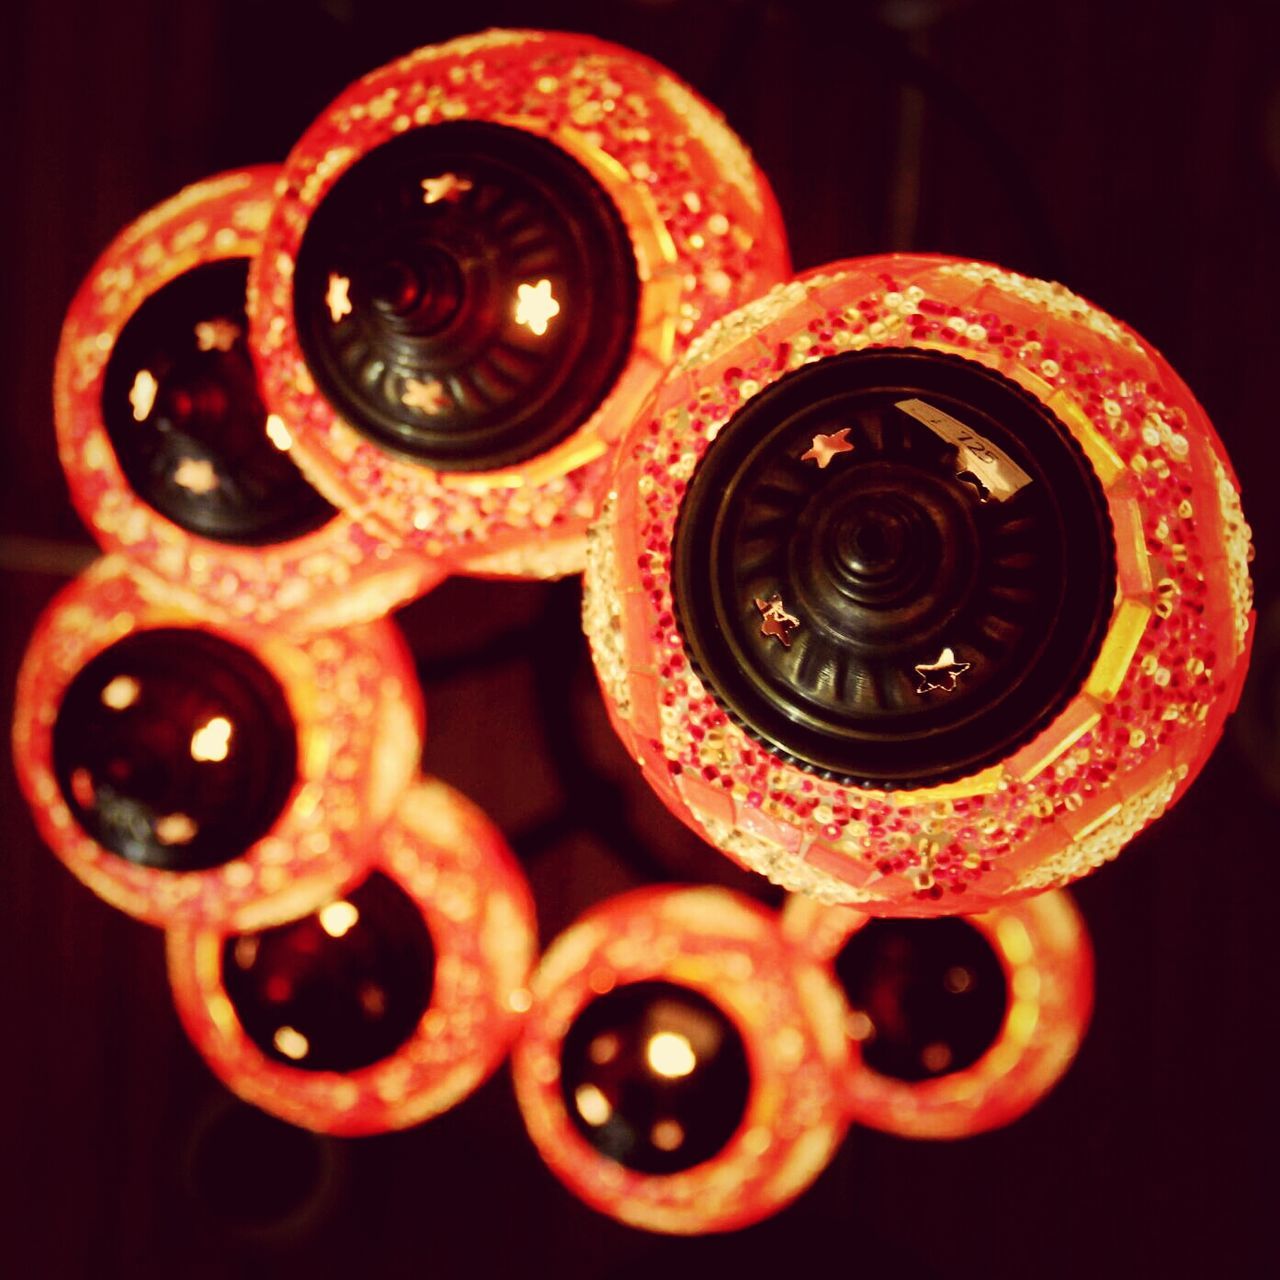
(332, 576)
(1043, 949)
(359, 721)
(487, 516)
(455, 864)
(729, 950)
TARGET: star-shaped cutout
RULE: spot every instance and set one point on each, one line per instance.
(216, 335)
(535, 306)
(336, 298)
(448, 186)
(777, 622)
(196, 475)
(933, 674)
(142, 395)
(826, 447)
(427, 397)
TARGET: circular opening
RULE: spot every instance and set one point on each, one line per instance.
(175, 749)
(181, 405)
(338, 990)
(926, 997)
(893, 567)
(655, 1076)
(466, 295)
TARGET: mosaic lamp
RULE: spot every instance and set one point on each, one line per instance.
(920, 585)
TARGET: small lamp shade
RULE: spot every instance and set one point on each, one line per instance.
(921, 585)
(675, 1071)
(392, 1002)
(169, 452)
(958, 1025)
(484, 256)
(223, 777)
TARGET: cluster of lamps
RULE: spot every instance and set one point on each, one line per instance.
(917, 586)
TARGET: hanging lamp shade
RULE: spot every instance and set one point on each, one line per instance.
(954, 1026)
(483, 258)
(389, 1004)
(170, 454)
(222, 777)
(920, 585)
(676, 1068)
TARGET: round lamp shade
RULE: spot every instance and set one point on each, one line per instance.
(389, 1004)
(223, 777)
(484, 256)
(920, 585)
(954, 1026)
(676, 1068)
(170, 454)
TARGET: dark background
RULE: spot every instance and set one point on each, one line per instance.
(1131, 150)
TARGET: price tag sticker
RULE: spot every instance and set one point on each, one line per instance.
(975, 454)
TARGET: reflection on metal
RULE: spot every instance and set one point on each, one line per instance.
(448, 186)
(216, 335)
(120, 693)
(142, 395)
(211, 742)
(338, 918)
(667, 1135)
(336, 298)
(196, 475)
(175, 828)
(536, 306)
(670, 1054)
(827, 447)
(427, 396)
(592, 1105)
(293, 1044)
(777, 622)
(278, 433)
(941, 674)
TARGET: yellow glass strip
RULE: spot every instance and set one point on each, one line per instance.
(1106, 461)
(1118, 649)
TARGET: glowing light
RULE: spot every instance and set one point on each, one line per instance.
(212, 741)
(338, 918)
(520, 1000)
(670, 1054)
(336, 298)
(293, 1044)
(175, 828)
(216, 335)
(666, 1135)
(427, 397)
(535, 306)
(592, 1105)
(448, 186)
(142, 395)
(120, 693)
(196, 475)
(603, 1049)
(278, 433)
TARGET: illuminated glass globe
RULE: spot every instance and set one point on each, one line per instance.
(920, 585)
(483, 257)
